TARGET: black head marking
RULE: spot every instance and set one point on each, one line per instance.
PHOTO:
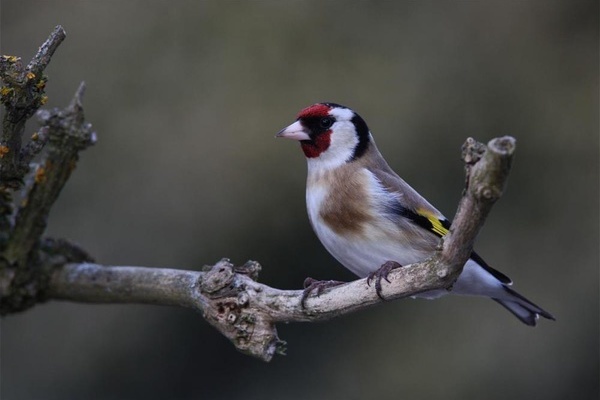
(362, 130)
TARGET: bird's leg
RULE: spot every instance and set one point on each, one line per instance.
(382, 273)
(313, 285)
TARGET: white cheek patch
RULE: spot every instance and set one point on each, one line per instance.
(341, 147)
(343, 140)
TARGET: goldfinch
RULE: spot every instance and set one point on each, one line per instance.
(366, 215)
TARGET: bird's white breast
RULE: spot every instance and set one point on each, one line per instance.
(379, 240)
(382, 241)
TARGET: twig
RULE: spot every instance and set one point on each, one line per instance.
(42, 58)
(68, 134)
(22, 94)
(487, 170)
(22, 278)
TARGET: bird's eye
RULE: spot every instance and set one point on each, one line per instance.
(326, 122)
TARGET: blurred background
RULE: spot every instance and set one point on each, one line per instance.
(186, 97)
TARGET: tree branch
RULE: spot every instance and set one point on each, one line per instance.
(68, 134)
(63, 135)
(22, 95)
(228, 297)
(246, 311)
(486, 170)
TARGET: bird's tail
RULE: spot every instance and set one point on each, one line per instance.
(522, 308)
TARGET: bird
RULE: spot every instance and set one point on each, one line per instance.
(370, 219)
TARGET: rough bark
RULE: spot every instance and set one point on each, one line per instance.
(25, 258)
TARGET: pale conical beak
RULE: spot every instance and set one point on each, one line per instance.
(295, 131)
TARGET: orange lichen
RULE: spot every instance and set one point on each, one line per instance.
(35, 136)
(11, 59)
(30, 75)
(40, 175)
(3, 150)
(5, 91)
(43, 100)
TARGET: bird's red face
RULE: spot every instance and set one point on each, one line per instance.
(329, 132)
(312, 129)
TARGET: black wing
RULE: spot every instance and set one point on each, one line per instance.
(440, 227)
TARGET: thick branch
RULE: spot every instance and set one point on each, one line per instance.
(22, 277)
(246, 311)
(22, 253)
(68, 134)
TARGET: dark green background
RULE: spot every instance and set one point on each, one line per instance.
(186, 97)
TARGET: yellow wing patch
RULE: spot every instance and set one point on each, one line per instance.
(437, 225)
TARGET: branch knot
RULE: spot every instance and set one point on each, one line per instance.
(217, 277)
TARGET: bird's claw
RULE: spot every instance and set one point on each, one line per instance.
(312, 285)
(382, 273)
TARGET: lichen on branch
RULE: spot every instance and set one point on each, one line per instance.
(22, 94)
(64, 133)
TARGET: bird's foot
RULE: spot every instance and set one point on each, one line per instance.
(312, 285)
(382, 273)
